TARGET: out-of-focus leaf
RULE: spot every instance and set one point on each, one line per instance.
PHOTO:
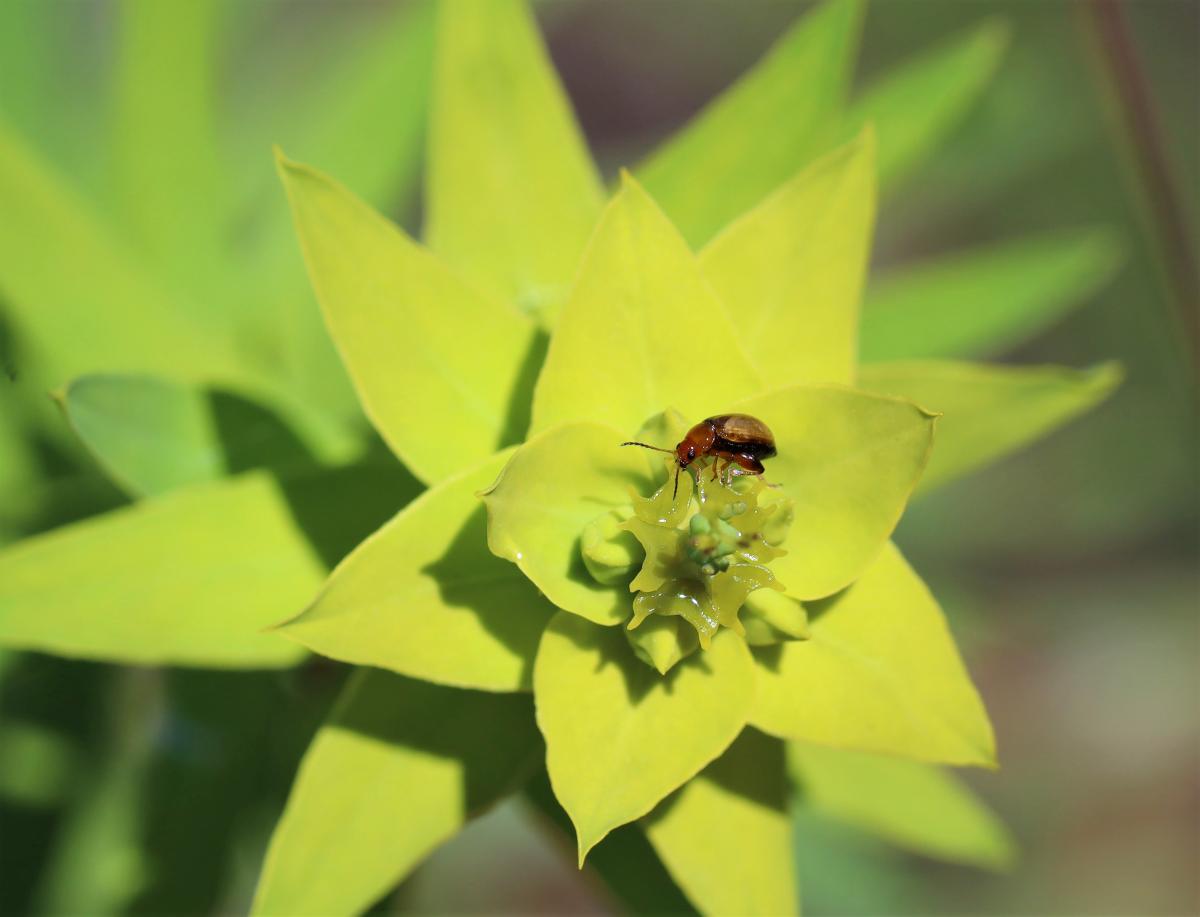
(917, 103)
(984, 300)
(625, 862)
(424, 596)
(37, 764)
(230, 747)
(879, 673)
(791, 271)
(74, 294)
(19, 461)
(847, 871)
(99, 864)
(398, 769)
(512, 192)
(640, 321)
(377, 86)
(439, 368)
(152, 434)
(167, 168)
(194, 577)
(918, 806)
(552, 488)
(849, 460)
(759, 132)
(989, 411)
(726, 836)
(607, 717)
(27, 65)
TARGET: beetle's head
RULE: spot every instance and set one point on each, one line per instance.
(685, 453)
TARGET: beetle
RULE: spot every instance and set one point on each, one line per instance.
(740, 439)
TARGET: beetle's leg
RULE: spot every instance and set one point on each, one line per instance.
(716, 464)
(731, 470)
(749, 463)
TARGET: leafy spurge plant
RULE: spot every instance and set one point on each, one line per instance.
(689, 658)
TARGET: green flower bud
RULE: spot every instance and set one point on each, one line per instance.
(660, 641)
(773, 618)
(611, 553)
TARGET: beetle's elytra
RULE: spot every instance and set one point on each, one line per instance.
(739, 439)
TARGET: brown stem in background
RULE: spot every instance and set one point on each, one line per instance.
(1137, 108)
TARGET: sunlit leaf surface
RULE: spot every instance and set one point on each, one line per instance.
(989, 411)
(399, 768)
(195, 577)
(642, 330)
(791, 270)
(849, 460)
(552, 488)
(726, 836)
(439, 368)
(512, 193)
(607, 717)
(879, 673)
(423, 596)
(625, 862)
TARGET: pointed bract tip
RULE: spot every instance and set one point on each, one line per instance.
(992, 36)
(284, 165)
(629, 182)
(1107, 375)
(867, 138)
(583, 852)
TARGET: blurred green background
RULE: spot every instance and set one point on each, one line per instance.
(1069, 572)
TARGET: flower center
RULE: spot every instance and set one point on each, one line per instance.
(701, 553)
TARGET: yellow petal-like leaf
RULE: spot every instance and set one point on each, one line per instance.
(555, 485)
(989, 411)
(399, 768)
(880, 673)
(726, 836)
(761, 130)
(849, 460)
(619, 736)
(424, 597)
(918, 806)
(512, 192)
(195, 577)
(439, 368)
(791, 270)
(642, 331)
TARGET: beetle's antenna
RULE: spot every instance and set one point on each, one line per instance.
(646, 446)
(659, 449)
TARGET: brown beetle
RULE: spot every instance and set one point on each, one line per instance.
(740, 439)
